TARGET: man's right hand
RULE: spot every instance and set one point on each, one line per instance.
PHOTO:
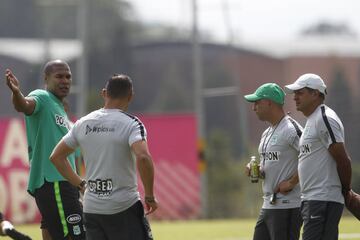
(21, 103)
(247, 170)
(12, 81)
(151, 204)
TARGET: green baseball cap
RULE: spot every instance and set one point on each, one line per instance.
(270, 91)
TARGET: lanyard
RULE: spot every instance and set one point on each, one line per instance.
(265, 143)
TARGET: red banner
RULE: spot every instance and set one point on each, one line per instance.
(15, 202)
(172, 142)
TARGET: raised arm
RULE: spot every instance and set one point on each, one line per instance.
(21, 103)
(146, 170)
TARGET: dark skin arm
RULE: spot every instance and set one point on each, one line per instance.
(59, 159)
(343, 163)
(21, 103)
(146, 171)
(286, 186)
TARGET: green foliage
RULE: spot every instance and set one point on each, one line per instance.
(340, 96)
(341, 100)
(230, 193)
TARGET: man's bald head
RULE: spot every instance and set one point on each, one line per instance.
(53, 64)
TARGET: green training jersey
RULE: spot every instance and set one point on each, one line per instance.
(44, 129)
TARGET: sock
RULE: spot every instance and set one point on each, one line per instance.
(6, 225)
(10, 231)
(14, 234)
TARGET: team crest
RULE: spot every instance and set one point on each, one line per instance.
(274, 139)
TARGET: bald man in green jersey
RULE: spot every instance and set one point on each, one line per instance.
(46, 123)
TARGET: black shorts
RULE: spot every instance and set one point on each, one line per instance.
(61, 210)
(321, 219)
(279, 224)
(1, 217)
(130, 224)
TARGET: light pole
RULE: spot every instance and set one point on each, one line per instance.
(81, 81)
(199, 107)
(200, 93)
(82, 71)
(237, 80)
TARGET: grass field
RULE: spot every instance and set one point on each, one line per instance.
(212, 229)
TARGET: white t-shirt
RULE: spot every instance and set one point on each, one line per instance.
(278, 152)
(319, 179)
(105, 137)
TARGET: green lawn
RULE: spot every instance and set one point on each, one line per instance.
(212, 230)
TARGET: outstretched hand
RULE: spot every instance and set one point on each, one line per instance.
(12, 81)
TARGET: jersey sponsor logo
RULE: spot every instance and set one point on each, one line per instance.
(73, 218)
(325, 134)
(102, 188)
(271, 156)
(274, 139)
(305, 149)
(76, 230)
(61, 121)
(101, 129)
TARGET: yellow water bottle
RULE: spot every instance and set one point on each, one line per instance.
(254, 170)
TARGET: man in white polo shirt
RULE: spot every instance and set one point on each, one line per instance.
(114, 146)
(279, 217)
(324, 165)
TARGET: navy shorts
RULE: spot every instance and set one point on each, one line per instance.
(61, 210)
(130, 224)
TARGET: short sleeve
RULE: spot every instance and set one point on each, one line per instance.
(39, 100)
(70, 138)
(294, 134)
(330, 131)
(137, 131)
(294, 140)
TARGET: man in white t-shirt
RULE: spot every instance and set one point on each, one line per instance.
(324, 165)
(279, 217)
(113, 144)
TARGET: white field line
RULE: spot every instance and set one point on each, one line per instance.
(349, 236)
(341, 236)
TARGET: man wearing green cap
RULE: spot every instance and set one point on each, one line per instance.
(280, 217)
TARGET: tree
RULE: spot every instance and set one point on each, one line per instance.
(226, 180)
(340, 96)
(328, 29)
(341, 100)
